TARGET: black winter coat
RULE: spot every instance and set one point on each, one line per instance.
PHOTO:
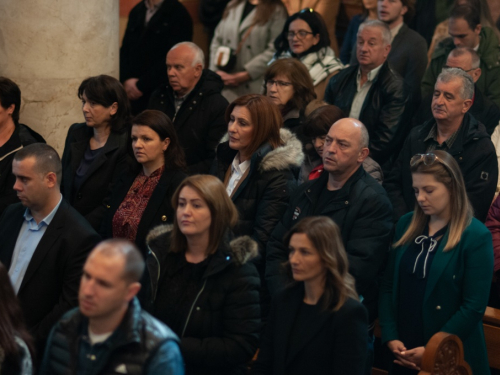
(221, 334)
(363, 212)
(22, 136)
(263, 196)
(199, 122)
(474, 153)
(101, 176)
(383, 111)
(333, 343)
(144, 48)
(158, 210)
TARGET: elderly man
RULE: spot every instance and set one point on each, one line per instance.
(44, 241)
(372, 92)
(350, 197)
(13, 136)
(454, 130)
(408, 55)
(466, 31)
(154, 26)
(109, 332)
(483, 109)
(193, 100)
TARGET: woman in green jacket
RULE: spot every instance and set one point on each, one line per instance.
(440, 269)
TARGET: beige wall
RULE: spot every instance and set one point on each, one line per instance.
(48, 47)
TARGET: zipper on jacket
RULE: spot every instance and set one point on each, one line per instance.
(158, 275)
(192, 306)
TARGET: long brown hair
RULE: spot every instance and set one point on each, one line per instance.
(445, 170)
(325, 236)
(11, 319)
(264, 10)
(222, 210)
(266, 119)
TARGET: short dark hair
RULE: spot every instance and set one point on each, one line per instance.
(134, 261)
(319, 122)
(265, 116)
(315, 22)
(106, 90)
(10, 94)
(161, 124)
(47, 159)
(301, 80)
(467, 12)
(410, 5)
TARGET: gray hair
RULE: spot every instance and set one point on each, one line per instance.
(384, 28)
(461, 51)
(198, 56)
(467, 87)
(365, 137)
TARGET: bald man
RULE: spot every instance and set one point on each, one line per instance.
(352, 199)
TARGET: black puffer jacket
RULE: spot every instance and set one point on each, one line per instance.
(262, 198)
(383, 111)
(221, 333)
(474, 153)
(199, 122)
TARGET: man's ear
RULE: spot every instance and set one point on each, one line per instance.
(198, 70)
(467, 105)
(132, 291)
(363, 154)
(51, 179)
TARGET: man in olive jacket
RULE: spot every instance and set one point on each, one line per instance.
(466, 31)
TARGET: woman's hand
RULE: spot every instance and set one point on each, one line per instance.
(397, 348)
(235, 79)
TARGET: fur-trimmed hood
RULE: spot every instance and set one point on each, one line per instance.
(288, 156)
(242, 248)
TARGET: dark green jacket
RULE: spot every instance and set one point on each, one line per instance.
(456, 294)
(489, 52)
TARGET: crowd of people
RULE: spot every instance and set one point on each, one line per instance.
(259, 215)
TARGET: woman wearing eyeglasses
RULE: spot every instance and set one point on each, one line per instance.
(288, 84)
(305, 37)
(440, 269)
(247, 31)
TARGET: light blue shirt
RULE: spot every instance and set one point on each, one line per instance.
(29, 236)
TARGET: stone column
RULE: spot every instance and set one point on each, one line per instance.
(48, 47)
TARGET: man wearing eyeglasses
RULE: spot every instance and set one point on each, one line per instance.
(483, 109)
(465, 30)
(454, 130)
(373, 92)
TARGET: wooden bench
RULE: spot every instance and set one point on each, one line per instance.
(442, 344)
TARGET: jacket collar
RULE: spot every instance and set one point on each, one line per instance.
(470, 130)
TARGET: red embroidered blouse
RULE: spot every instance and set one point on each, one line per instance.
(128, 216)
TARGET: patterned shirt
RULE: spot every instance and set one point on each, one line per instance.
(128, 216)
(433, 144)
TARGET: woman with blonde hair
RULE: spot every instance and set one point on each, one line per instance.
(440, 269)
(317, 325)
(203, 285)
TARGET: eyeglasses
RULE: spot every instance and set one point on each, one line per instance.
(428, 159)
(301, 34)
(456, 67)
(279, 84)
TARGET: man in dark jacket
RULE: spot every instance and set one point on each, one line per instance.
(109, 333)
(453, 130)
(466, 31)
(13, 137)
(354, 200)
(483, 109)
(408, 55)
(154, 26)
(372, 92)
(44, 241)
(193, 100)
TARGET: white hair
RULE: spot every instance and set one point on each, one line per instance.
(467, 87)
(198, 55)
(384, 28)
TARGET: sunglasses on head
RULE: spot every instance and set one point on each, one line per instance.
(428, 159)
